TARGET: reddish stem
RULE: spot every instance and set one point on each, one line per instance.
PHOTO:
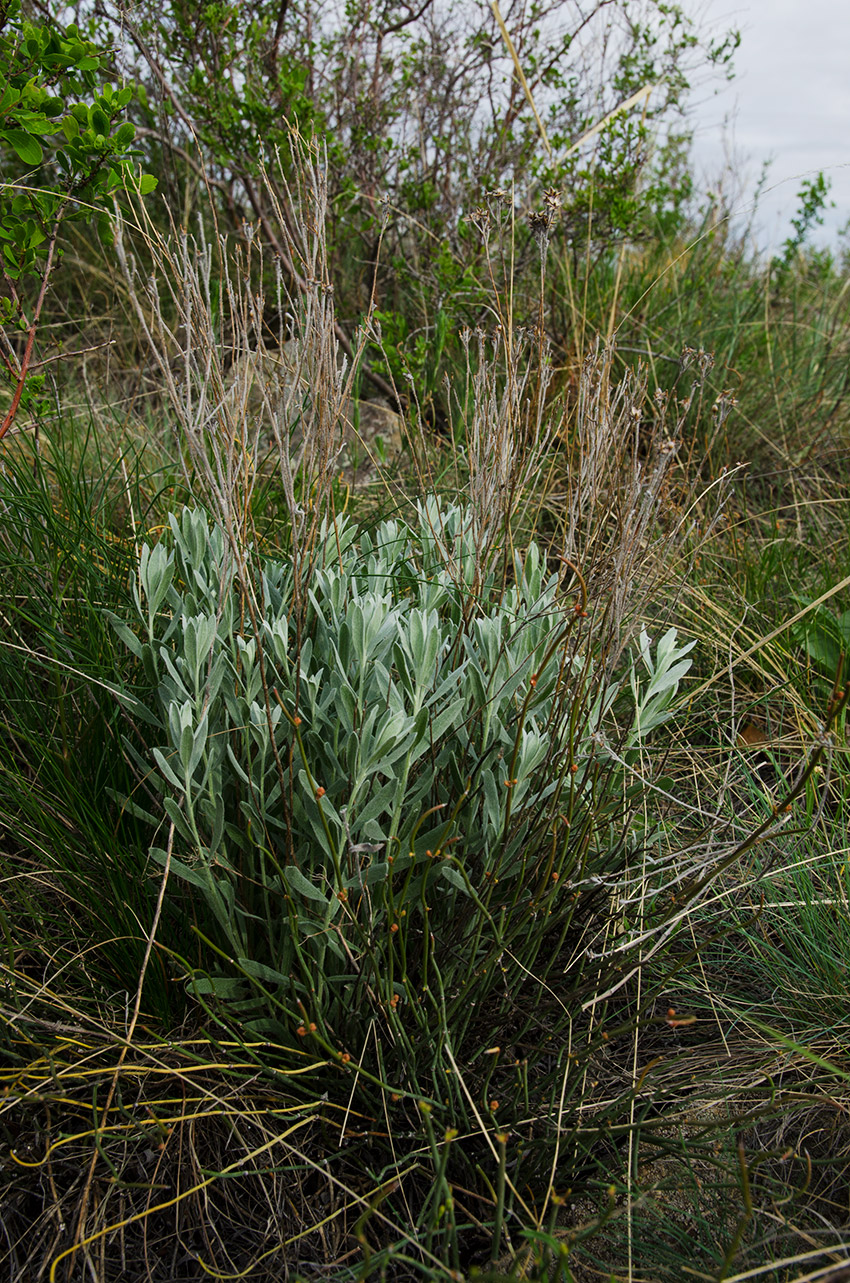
(48, 267)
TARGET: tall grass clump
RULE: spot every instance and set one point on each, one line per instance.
(73, 859)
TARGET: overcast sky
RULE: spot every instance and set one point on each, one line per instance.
(789, 103)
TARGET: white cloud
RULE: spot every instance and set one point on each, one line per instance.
(789, 103)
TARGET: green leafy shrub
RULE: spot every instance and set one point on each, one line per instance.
(66, 150)
(424, 120)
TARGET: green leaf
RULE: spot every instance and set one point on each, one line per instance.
(125, 135)
(165, 768)
(823, 649)
(13, 267)
(178, 868)
(147, 183)
(259, 971)
(29, 149)
(452, 876)
(178, 819)
(446, 720)
(70, 128)
(132, 808)
(301, 885)
(226, 987)
(104, 229)
(37, 123)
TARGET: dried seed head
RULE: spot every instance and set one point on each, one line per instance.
(540, 225)
(543, 221)
(480, 220)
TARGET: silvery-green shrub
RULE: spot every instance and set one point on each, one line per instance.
(390, 796)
